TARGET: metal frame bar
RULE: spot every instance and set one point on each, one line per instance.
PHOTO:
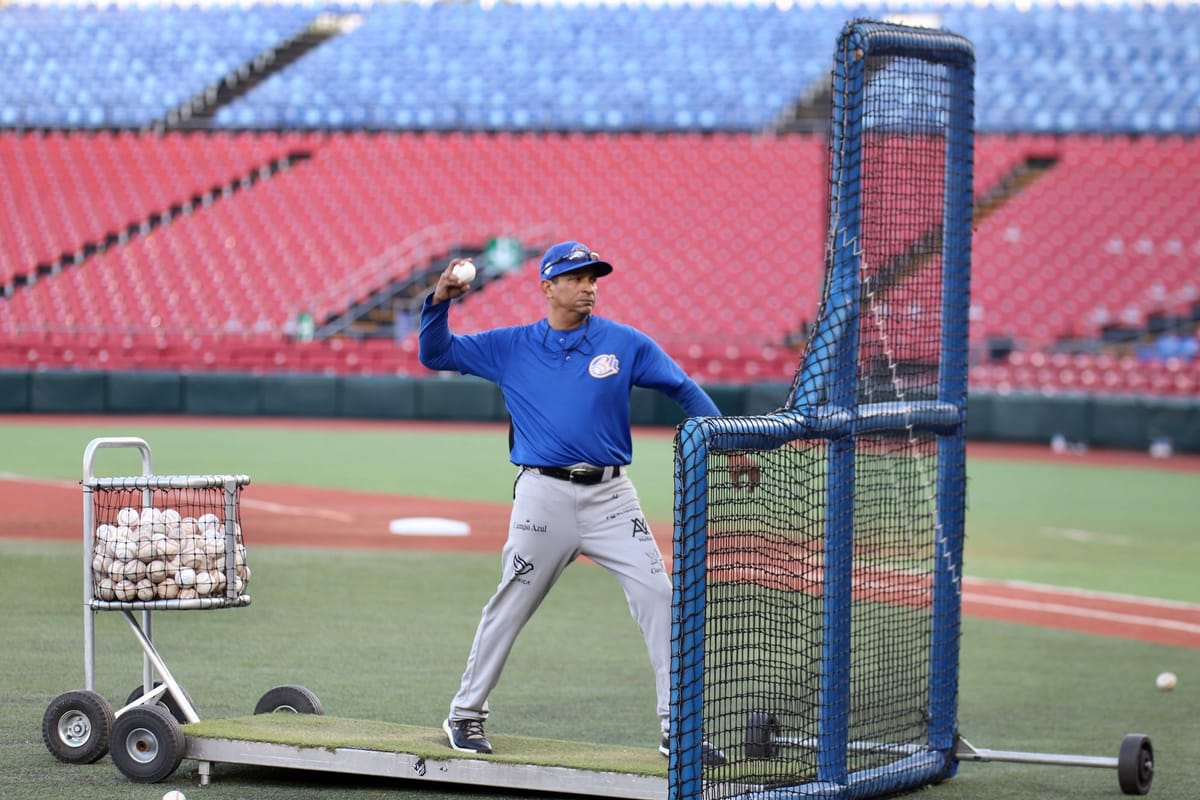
(89, 525)
(964, 751)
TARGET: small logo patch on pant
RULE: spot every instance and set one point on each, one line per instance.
(521, 567)
(640, 531)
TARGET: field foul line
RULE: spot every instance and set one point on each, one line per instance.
(261, 505)
(984, 584)
(297, 511)
(1087, 537)
(1086, 613)
(15, 478)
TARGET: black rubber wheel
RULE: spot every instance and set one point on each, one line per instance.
(761, 730)
(166, 700)
(289, 699)
(1135, 764)
(76, 727)
(147, 743)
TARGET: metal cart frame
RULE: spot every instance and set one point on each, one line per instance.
(77, 724)
(152, 661)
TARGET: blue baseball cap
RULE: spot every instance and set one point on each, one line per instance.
(568, 257)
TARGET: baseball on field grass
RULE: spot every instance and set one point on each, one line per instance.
(465, 271)
(174, 794)
(1166, 681)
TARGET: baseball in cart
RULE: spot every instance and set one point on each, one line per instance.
(165, 543)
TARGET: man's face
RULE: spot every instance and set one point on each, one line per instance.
(573, 292)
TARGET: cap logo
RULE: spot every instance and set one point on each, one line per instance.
(603, 366)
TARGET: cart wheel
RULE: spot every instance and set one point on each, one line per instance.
(761, 729)
(76, 727)
(147, 743)
(289, 699)
(166, 700)
(1135, 764)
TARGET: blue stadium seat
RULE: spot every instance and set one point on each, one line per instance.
(613, 68)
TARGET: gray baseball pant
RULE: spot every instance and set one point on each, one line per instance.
(553, 522)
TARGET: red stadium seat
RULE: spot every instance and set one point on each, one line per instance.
(702, 259)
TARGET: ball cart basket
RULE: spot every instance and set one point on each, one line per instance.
(151, 543)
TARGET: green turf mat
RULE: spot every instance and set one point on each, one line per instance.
(310, 730)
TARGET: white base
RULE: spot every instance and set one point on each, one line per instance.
(428, 526)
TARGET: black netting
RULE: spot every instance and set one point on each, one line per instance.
(894, 525)
(902, 205)
(764, 607)
(824, 640)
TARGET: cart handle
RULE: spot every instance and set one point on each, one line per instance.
(89, 454)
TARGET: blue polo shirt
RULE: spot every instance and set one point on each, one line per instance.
(566, 391)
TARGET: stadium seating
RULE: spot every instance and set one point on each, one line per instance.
(1062, 373)
(63, 191)
(1108, 236)
(464, 66)
(250, 260)
(125, 249)
(254, 259)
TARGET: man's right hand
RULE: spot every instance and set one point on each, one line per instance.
(448, 286)
(744, 466)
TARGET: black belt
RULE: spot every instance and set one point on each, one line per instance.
(585, 475)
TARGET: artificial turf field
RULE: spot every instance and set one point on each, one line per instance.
(380, 633)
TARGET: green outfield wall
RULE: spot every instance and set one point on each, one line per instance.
(1117, 422)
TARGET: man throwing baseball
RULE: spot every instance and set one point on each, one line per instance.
(566, 381)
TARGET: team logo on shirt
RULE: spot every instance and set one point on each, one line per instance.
(604, 365)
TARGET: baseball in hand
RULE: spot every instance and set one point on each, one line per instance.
(465, 271)
(1166, 681)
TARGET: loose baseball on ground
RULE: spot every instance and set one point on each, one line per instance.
(1166, 681)
(174, 794)
(465, 271)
